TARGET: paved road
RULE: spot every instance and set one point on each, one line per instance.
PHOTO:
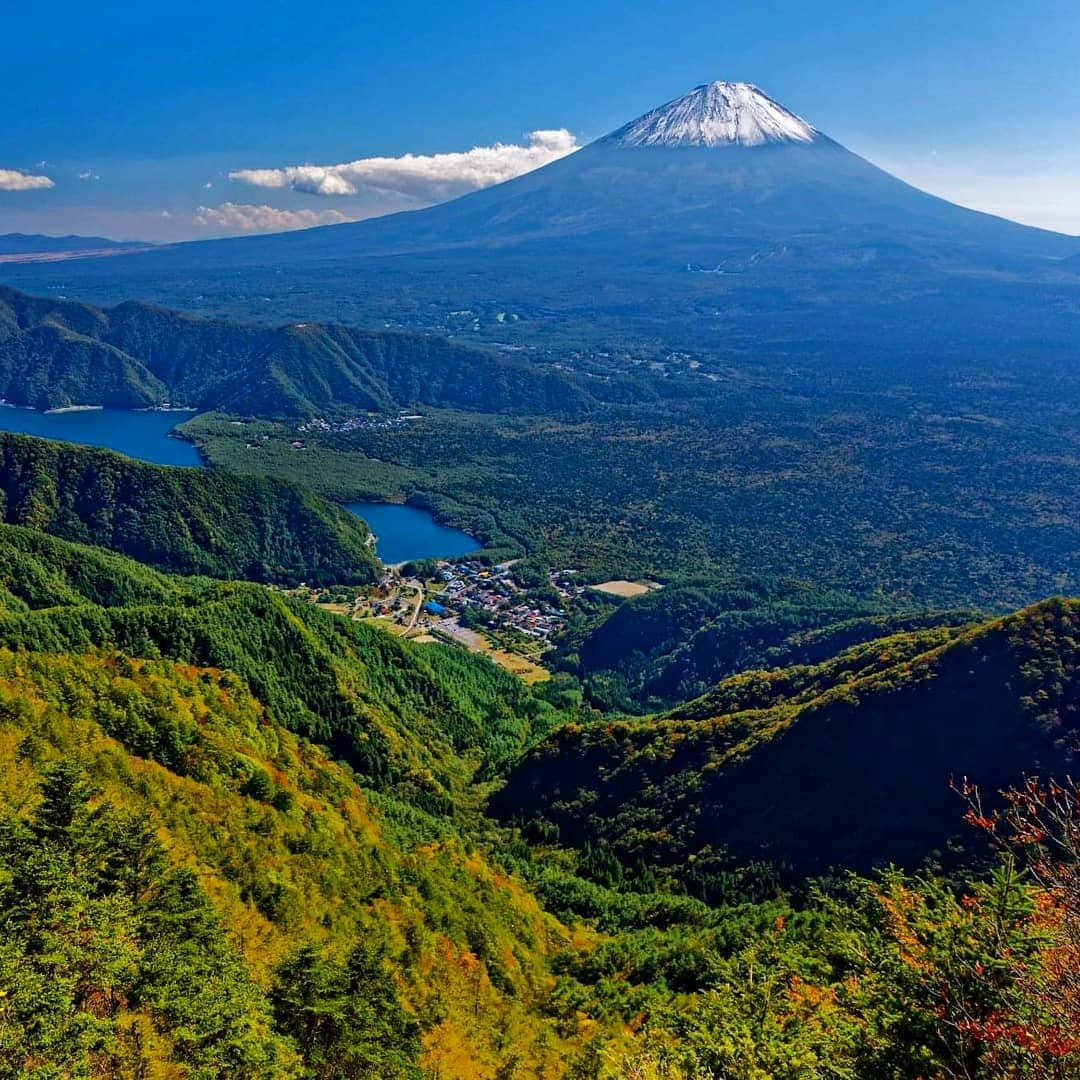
(418, 586)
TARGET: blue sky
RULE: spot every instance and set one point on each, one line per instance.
(131, 110)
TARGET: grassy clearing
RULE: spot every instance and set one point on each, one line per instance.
(624, 589)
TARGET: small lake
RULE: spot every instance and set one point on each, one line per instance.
(143, 435)
(404, 533)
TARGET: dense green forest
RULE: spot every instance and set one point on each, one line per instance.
(39, 571)
(193, 521)
(191, 887)
(56, 353)
(840, 763)
(291, 924)
(425, 718)
(673, 644)
(903, 500)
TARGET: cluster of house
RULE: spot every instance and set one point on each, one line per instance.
(384, 599)
(367, 422)
(565, 583)
(494, 590)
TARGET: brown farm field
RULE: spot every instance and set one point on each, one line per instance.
(625, 589)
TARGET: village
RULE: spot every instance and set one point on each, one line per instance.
(511, 615)
(494, 598)
(364, 422)
(469, 603)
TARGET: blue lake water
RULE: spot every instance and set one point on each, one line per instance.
(404, 533)
(143, 435)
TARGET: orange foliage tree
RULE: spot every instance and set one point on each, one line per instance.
(1038, 826)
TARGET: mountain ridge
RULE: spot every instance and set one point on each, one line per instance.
(844, 763)
(40, 243)
(62, 352)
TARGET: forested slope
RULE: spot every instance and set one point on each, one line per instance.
(58, 352)
(197, 893)
(192, 521)
(147, 707)
(400, 714)
(672, 644)
(40, 571)
(842, 763)
(191, 888)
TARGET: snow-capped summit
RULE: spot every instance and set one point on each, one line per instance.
(717, 114)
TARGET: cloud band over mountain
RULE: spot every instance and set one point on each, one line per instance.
(246, 218)
(431, 177)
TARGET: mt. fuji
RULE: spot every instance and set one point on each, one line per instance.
(718, 166)
(716, 114)
(720, 222)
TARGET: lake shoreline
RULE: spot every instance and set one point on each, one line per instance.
(402, 532)
(147, 435)
(406, 533)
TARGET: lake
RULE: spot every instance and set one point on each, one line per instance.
(143, 435)
(404, 533)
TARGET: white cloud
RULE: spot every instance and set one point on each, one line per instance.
(430, 177)
(245, 218)
(13, 180)
(208, 185)
(88, 174)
